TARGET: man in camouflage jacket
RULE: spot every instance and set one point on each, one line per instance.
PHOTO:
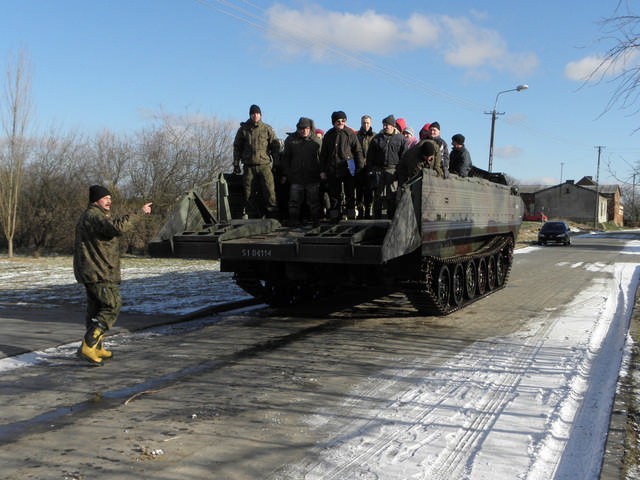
(96, 264)
(255, 145)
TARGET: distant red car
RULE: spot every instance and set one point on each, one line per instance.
(535, 217)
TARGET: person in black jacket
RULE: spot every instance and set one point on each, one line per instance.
(340, 158)
(301, 169)
(385, 151)
(459, 158)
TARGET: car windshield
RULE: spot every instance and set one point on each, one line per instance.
(553, 227)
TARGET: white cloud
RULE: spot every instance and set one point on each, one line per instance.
(580, 70)
(507, 151)
(470, 46)
(596, 67)
(326, 35)
(322, 33)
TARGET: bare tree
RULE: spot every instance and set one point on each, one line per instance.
(15, 115)
(110, 157)
(52, 172)
(178, 154)
(621, 62)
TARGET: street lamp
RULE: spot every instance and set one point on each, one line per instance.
(519, 88)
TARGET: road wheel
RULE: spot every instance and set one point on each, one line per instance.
(457, 292)
(482, 276)
(501, 269)
(443, 285)
(491, 273)
(470, 279)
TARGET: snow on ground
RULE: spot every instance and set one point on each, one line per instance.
(149, 286)
(533, 405)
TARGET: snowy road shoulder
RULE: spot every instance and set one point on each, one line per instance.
(534, 405)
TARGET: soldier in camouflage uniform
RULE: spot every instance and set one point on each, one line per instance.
(255, 145)
(96, 264)
(424, 154)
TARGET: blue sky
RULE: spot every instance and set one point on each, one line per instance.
(114, 64)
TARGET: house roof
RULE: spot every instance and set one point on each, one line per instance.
(610, 189)
(531, 188)
(604, 189)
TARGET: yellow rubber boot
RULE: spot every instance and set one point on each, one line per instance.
(89, 348)
(103, 352)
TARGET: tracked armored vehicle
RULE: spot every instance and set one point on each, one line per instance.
(449, 243)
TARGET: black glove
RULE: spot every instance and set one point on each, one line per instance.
(236, 169)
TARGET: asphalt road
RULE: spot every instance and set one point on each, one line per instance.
(229, 397)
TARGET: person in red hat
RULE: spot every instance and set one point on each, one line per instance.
(424, 131)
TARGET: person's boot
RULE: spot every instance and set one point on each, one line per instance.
(88, 350)
(103, 352)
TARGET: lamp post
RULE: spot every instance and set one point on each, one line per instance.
(494, 113)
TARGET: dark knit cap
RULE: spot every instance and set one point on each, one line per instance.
(458, 138)
(96, 192)
(335, 116)
(304, 123)
(435, 125)
(428, 149)
(390, 120)
(254, 109)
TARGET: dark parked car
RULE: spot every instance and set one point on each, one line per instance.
(556, 232)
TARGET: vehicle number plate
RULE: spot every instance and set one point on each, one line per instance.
(256, 252)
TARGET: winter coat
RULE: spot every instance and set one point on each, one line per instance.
(413, 161)
(460, 161)
(255, 144)
(301, 159)
(338, 146)
(444, 151)
(365, 137)
(96, 256)
(385, 151)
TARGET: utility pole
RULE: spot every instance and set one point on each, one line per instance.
(634, 211)
(597, 202)
(494, 114)
(561, 168)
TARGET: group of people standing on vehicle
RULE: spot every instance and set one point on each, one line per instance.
(341, 174)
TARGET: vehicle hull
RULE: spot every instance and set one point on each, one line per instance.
(440, 228)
